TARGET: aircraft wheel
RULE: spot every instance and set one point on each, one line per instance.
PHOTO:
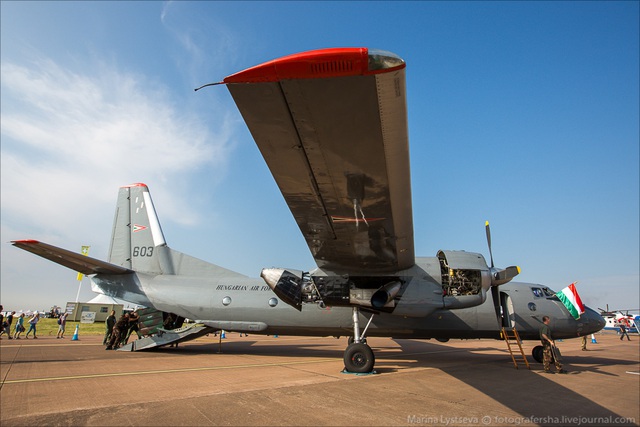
(537, 353)
(359, 358)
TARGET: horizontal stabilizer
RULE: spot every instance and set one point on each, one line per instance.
(73, 260)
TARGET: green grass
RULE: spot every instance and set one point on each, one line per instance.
(49, 327)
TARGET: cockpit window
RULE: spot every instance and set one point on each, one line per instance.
(537, 292)
(548, 292)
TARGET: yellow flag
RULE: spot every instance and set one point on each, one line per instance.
(85, 252)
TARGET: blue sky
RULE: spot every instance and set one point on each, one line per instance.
(521, 113)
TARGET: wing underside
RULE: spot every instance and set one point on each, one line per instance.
(336, 143)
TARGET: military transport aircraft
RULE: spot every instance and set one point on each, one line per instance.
(332, 127)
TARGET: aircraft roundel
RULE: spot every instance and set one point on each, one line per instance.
(137, 228)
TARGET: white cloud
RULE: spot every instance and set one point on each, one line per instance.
(67, 135)
(70, 139)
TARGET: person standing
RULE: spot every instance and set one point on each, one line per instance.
(109, 323)
(623, 328)
(118, 332)
(134, 317)
(32, 325)
(168, 323)
(7, 324)
(547, 350)
(62, 323)
(584, 343)
(19, 326)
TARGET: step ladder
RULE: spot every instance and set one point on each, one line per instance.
(512, 339)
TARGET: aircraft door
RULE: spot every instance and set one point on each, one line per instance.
(506, 307)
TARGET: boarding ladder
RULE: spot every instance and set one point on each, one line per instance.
(512, 339)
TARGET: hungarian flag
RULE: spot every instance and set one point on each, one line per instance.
(570, 298)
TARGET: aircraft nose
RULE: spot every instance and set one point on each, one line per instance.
(595, 322)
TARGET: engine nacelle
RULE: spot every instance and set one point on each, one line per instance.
(296, 287)
(454, 279)
(466, 278)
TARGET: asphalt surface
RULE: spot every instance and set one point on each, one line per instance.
(266, 380)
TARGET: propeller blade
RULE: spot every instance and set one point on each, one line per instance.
(488, 230)
(499, 276)
(502, 276)
(495, 294)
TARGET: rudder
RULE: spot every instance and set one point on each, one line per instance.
(137, 241)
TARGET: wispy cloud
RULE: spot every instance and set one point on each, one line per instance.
(203, 48)
(70, 138)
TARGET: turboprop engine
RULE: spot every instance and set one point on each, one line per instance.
(454, 279)
(296, 287)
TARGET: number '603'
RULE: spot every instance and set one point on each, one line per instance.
(143, 251)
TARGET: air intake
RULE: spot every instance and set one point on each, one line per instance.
(332, 67)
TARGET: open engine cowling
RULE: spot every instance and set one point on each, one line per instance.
(452, 280)
(466, 278)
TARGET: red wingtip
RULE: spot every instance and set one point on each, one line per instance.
(137, 184)
(26, 241)
(322, 63)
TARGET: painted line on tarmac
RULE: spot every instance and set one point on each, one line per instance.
(48, 345)
(402, 354)
(209, 368)
(168, 371)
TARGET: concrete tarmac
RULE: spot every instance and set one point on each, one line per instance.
(264, 380)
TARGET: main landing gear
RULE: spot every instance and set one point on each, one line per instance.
(537, 353)
(358, 357)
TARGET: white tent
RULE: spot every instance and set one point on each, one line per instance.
(105, 299)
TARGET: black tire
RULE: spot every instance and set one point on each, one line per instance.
(359, 358)
(537, 353)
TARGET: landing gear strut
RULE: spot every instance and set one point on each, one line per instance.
(358, 357)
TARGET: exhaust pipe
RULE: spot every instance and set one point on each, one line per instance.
(385, 294)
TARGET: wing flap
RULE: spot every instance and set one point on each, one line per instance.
(73, 260)
(337, 147)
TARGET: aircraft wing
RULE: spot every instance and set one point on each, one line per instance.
(332, 126)
(73, 260)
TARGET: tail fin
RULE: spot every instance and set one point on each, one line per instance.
(137, 237)
(137, 242)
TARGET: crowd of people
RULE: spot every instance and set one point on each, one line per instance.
(7, 324)
(119, 331)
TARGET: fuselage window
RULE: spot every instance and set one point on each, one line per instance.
(537, 292)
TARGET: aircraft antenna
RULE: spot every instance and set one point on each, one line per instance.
(208, 84)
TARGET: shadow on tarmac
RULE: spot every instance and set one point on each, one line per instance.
(542, 398)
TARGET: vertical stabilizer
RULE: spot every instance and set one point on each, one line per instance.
(137, 241)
